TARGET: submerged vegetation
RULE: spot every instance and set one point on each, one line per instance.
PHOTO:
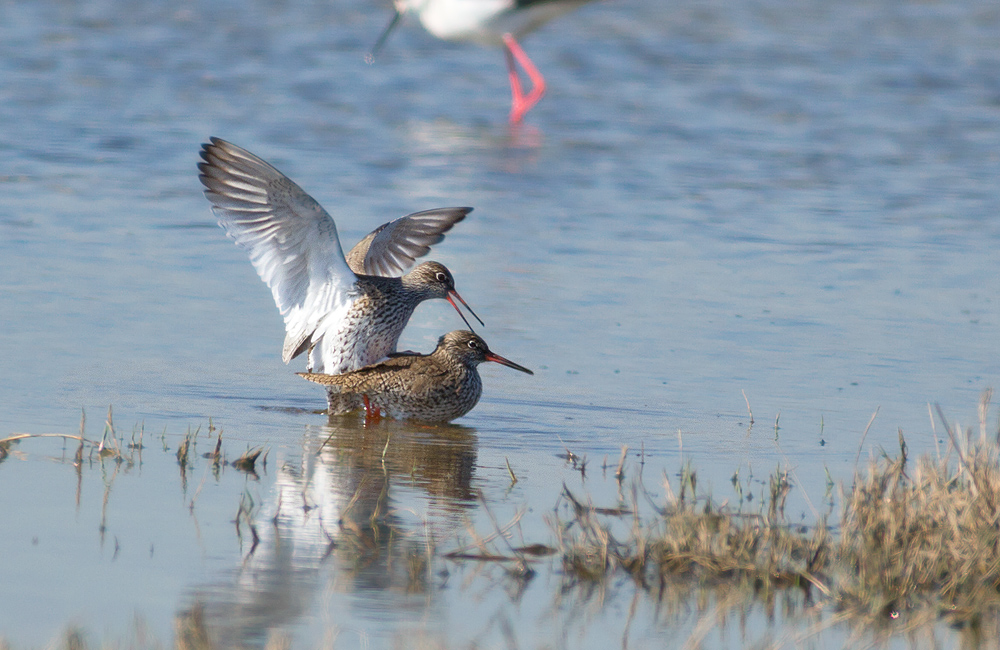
(915, 543)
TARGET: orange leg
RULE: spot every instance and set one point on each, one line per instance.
(521, 103)
(372, 413)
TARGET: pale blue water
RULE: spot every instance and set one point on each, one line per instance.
(789, 198)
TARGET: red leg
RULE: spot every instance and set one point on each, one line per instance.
(521, 103)
(372, 413)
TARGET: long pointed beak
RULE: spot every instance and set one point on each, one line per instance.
(466, 305)
(496, 358)
(381, 39)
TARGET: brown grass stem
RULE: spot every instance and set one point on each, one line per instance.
(861, 445)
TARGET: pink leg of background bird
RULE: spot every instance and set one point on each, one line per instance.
(521, 103)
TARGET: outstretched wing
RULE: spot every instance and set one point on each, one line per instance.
(291, 239)
(392, 248)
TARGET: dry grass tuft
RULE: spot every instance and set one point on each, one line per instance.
(917, 542)
(927, 540)
(694, 540)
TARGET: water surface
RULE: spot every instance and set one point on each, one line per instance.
(791, 199)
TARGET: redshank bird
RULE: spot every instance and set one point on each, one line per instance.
(344, 311)
(435, 387)
(489, 22)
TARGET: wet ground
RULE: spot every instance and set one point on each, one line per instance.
(791, 199)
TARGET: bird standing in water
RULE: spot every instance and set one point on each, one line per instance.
(343, 311)
(489, 22)
(435, 387)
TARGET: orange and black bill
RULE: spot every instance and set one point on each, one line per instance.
(496, 358)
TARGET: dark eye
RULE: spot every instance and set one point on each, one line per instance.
(474, 344)
(441, 277)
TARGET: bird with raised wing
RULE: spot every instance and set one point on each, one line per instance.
(346, 312)
(489, 22)
(435, 387)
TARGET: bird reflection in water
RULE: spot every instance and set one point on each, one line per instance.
(332, 525)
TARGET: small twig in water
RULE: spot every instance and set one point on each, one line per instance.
(22, 436)
(216, 455)
(748, 405)
(865, 435)
(513, 479)
(620, 472)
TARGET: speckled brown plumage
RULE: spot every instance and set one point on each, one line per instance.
(436, 387)
(376, 320)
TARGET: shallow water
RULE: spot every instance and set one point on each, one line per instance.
(791, 199)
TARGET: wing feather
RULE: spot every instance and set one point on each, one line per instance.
(393, 247)
(291, 240)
